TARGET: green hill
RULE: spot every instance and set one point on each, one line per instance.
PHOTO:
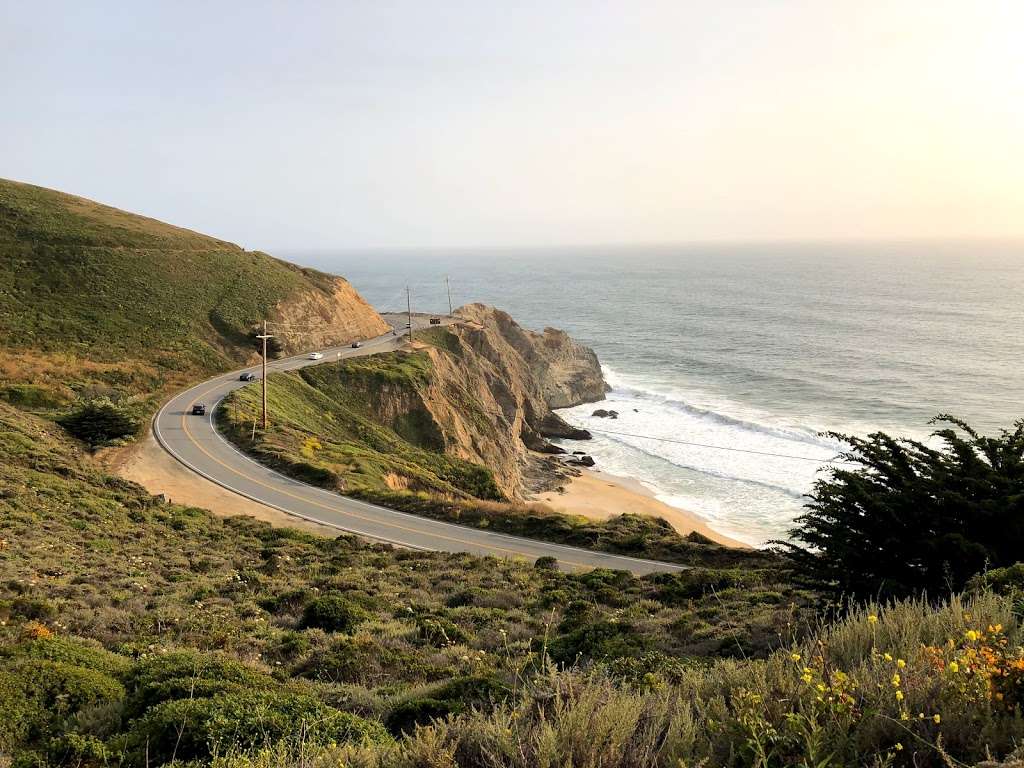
(98, 301)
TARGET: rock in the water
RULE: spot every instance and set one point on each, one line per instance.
(581, 461)
(601, 413)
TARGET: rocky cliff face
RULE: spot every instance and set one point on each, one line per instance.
(489, 396)
(317, 317)
(566, 372)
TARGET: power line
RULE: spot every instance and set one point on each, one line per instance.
(719, 447)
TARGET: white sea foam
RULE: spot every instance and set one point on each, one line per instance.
(747, 476)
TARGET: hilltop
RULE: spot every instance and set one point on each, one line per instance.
(96, 301)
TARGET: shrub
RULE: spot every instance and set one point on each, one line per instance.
(332, 613)
(604, 639)
(81, 653)
(100, 422)
(439, 631)
(546, 563)
(184, 674)
(194, 729)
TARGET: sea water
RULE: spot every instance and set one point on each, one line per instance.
(728, 363)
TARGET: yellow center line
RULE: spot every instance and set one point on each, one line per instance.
(184, 426)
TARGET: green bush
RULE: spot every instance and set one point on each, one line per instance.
(77, 652)
(602, 640)
(1003, 581)
(101, 422)
(184, 674)
(439, 631)
(195, 729)
(332, 613)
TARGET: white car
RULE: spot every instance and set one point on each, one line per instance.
(316, 355)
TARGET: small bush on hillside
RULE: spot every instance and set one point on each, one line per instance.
(332, 613)
(101, 422)
(195, 729)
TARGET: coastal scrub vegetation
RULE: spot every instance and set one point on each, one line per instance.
(908, 519)
(138, 632)
(135, 629)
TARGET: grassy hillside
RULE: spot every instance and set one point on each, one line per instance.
(123, 617)
(95, 301)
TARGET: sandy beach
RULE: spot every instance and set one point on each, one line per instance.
(599, 495)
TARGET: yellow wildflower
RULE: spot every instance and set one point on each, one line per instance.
(899, 695)
(795, 656)
(899, 746)
(872, 619)
(901, 663)
(971, 635)
(954, 667)
(806, 677)
(896, 680)
(887, 656)
(936, 719)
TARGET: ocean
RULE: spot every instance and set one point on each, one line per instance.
(728, 362)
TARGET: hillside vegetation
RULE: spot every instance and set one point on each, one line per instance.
(98, 302)
(135, 632)
(126, 619)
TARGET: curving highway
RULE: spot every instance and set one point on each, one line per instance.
(195, 442)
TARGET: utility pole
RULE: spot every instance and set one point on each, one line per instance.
(264, 336)
(408, 305)
(449, 287)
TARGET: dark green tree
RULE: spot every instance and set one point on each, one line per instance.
(909, 519)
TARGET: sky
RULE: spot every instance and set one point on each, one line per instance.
(467, 124)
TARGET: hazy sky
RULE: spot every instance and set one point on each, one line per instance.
(375, 123)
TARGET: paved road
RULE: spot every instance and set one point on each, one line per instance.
(195, 442)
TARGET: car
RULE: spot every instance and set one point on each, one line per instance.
(356, 344)
(247, 377)
(199, 409)
(408, 325)
(435, 321)
(316, 355)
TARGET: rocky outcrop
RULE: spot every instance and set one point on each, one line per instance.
(566, 372)
(324, 317)
(489, 395)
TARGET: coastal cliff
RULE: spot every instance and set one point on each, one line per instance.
(328, 314)
(473, 396)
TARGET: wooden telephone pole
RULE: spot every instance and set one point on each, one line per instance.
(408, 306)
(264, 336)
(449, 287)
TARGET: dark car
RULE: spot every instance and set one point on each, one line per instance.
(247, 377)
(199, 409)
(356, 344)
(435, 321)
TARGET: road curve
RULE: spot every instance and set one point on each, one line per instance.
(195, 442)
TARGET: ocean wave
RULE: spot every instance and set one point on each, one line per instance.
(721, 474)
(620, 386)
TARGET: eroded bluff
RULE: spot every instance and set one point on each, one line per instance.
(490, 393)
